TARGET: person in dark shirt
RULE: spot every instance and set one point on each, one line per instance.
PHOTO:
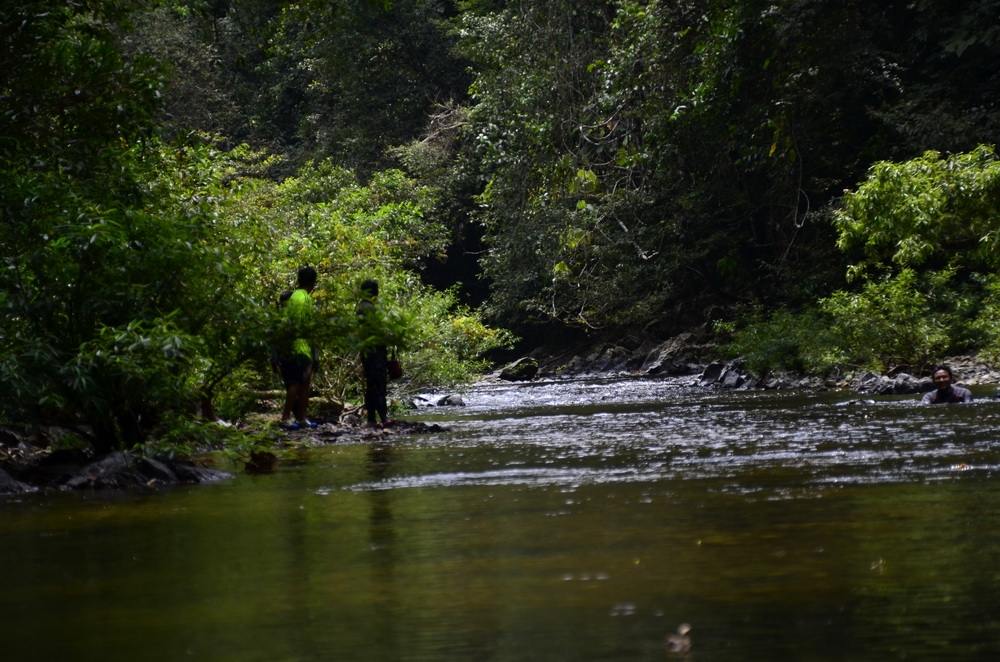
(945, 391)
(374, 359)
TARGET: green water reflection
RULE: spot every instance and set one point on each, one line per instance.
(317, 562)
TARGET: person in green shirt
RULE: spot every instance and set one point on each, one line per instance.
(298, 358)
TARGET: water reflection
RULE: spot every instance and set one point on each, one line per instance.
(382, 541)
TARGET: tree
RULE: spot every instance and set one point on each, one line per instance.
(348, 80)
(114, 266)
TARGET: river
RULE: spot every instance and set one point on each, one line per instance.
(580, 520)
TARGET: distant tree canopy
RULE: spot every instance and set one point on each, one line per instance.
(626, 162)
(312, 79)
(653, 159)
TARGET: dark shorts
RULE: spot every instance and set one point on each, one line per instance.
(296, 369)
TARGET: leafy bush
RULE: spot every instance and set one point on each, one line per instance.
(923, 234)
(928, 212)
(783, 340)
(986, 323)
(890, 323)
(449, 341)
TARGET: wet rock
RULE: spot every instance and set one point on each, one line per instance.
(906, 383)
(777, 382)
(10, 485)
(680, 641)
(453, 400)
(116, 470)
(712, 373)
(813, 383)
(189, 472)
(352, 419)
(575, 366)
(327, 409)
(261, 462)
(643, 354)
(419, 428)
(669, 358)
(56, 467)
(10, 437)
(902, 383)
(419, 401)
(121, 470)
(521, 370)
(729, 375)
(394, 428)
(606, 358)
(732, 377)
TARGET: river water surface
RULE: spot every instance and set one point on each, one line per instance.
(576, 520)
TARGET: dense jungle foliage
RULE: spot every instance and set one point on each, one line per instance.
(814, 180)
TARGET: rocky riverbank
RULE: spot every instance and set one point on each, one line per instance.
(30, 463)
(689, 355)
(31, 468)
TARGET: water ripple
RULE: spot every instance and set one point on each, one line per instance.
(606, 431)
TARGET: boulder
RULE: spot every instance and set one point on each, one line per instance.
(668, 358)
(10, 485)
(419, 401)
(712, 373)
(189, 472)
(453, 400)
(730, 375)
(521, 370)
(117, 470)
(327, 409)
(908, 384)
(640, 356)
(575, 366)
(902, 384)
(261, 462)
(603, 358)
(120, 470)
(777, 382)
(606, 358)
(11, 437)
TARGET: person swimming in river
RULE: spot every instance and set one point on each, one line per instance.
(945, 390)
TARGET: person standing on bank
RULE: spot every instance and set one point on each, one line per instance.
(298, 359)
(945, 391)
(375, 357)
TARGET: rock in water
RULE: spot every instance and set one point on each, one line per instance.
(120, 470)
(520, 370)
(261, 462)
(453, 400)
(9, 485)
(679, 642)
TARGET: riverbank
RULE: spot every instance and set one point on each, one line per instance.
(35, 461)
(694, 355)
